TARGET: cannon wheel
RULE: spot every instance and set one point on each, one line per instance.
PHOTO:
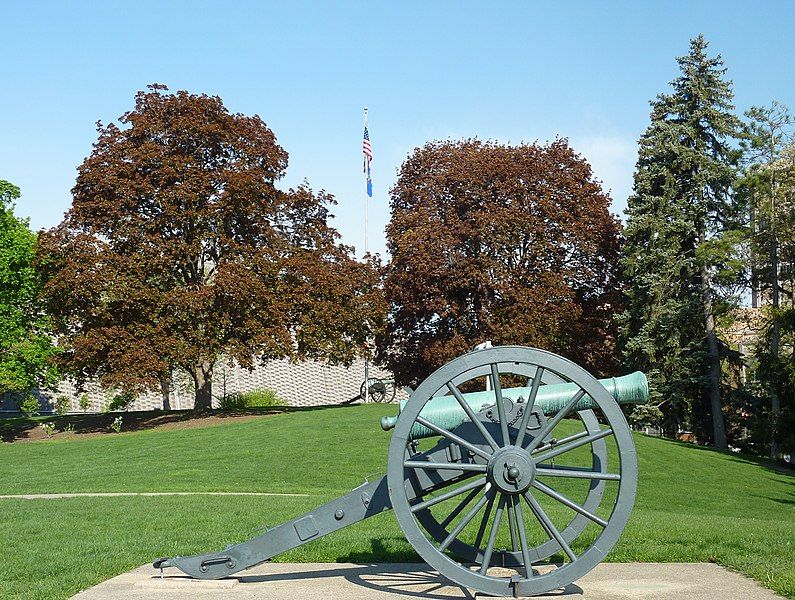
(498, 490)
(509, 558)
(381, 390)
(439, 530)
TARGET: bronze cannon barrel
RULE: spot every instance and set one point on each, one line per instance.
(445, 412)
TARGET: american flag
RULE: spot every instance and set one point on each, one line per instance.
(367, 149)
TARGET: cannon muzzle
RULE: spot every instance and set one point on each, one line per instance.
(445, 412)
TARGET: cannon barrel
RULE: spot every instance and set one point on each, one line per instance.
(445, 412)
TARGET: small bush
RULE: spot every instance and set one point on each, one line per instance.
(253, 399)
(29, 406)
(646, 415)
(232, 402)
(84, 402)
(116, 425)
(48, 428)
(120, 401)
(63, 405)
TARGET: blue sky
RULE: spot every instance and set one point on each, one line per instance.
(511, 72)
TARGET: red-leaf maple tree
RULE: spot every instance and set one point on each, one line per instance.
(513, 244)
(179, 251)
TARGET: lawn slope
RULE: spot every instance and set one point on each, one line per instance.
(693, 504)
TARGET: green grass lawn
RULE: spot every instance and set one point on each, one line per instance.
(693, 504)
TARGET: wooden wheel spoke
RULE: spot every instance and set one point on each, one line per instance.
(444, 466)
(512, 524)
(473, 485)
(575, 472)
(565, 440)
(495, 527)
(459, 507)
(495, 384)
(465, 521)
(548, 525)
(453, 437)
(528, 407)
(484, 522)
(471, 414)
(553, 422)
(573, 445)
(566, 502)
(517, 508)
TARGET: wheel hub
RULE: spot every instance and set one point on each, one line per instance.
(511, 470)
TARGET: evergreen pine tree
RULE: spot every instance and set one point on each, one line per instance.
(680, 207)
(769, 182)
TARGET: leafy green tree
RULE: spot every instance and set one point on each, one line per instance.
(180, 251)
(513, 244)
(681, 236)
(768, 185)
(25, 345)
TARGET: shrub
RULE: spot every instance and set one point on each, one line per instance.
(84, 402)
(120, 401)
(232, 402)
(48, 428)
(254, 399)
(646, 415)
(63, 404)
(29, 406)
(116, 425)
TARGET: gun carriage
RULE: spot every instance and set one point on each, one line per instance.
(377, 389)
(484, 483)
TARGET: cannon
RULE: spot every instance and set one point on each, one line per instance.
(510, 470)
(378, 389)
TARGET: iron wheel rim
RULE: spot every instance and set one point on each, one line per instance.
(534, 584)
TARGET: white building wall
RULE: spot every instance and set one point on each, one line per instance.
(307, 383)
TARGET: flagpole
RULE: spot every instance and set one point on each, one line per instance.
(367, 342)
(366, 198)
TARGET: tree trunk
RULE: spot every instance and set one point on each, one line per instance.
(775, 341)
(203, 379)
(754, 269)
(775, 333)
(716, 406)
(165, 390)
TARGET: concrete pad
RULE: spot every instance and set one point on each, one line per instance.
(284, 581)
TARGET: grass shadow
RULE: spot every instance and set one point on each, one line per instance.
(15, 429)
(379, 552)
(782, 500)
